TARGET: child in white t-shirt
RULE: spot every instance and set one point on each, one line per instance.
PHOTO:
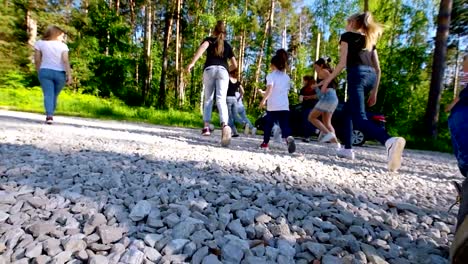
(276, 101)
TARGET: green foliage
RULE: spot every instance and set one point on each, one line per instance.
(83, 105)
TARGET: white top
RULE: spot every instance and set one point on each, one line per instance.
(51, 54)
(239, 100)
(280, 82)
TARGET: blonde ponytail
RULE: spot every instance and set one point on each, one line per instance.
(219, 32)
(371, 29)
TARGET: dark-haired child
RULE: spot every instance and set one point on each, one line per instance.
(276, 101)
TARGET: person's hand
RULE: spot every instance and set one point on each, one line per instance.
(69, 79)
(190, 67)
(262, 104)
(372, 100)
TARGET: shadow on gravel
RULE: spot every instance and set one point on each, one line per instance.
(304, 223)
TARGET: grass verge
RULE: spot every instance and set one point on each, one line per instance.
(83, 105)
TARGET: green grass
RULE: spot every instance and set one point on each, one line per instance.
(82, 105)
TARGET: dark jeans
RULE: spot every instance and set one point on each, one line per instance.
(458, 124)
(308, 128)
(361, 80)
(282, 117)
(52, 82)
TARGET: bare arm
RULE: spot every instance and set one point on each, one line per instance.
(266, 95)
(376, 64)
(37, 59)
(66, 63)
(198, 54)
(234, 62)
(241, 91)
(340, 66)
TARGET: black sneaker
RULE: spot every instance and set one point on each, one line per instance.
(49, 120)
(291, 144)
(206, 131)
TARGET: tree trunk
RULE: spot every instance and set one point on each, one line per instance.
(167, 38)
(438, 67)
(178, 85)
(117, 6)
(148, 69)
(366, 5)
(266, 36)
(242, 44)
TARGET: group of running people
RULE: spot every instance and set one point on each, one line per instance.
(357, 53)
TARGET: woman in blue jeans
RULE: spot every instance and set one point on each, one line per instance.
(53, 67)
(216, 78)
(359, 56)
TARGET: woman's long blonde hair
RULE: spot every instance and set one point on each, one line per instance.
(52, 32)
(371, 29)
(220, 33)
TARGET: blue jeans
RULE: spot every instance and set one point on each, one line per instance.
(52, 82)
(458, 125)
(216, 79)
(282, 117)
(361, 80)
(232, 112)
(242, 117)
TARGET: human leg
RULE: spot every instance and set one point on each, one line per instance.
(232, 112)
(314, 119)
(47, 85)
(209, 89)
(283, 120)
(268, 125)
(59, 83)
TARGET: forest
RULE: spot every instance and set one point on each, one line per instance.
(137, 50)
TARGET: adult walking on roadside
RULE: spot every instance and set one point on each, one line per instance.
(359, 55)
(458, 124)
(216, 78)
(328, 101)
(53, 67)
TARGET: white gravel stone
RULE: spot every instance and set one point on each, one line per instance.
(125, 190)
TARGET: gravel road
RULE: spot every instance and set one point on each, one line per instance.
(93, 191)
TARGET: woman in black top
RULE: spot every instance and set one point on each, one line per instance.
(359, 56)
(216, 78)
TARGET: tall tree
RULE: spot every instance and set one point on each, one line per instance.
(148, 62)
(169, 17)
(438, 67)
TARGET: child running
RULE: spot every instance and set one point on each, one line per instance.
(277, 102)
(242, 115)
(234, 86)
(328, 101)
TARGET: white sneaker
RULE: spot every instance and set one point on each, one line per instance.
(395, 146)
(345, 153)
(254, 131)
(246, 130)
(226, 136)
(327, 138)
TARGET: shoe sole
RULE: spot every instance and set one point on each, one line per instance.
(291, 145)
(324, 139)
(226, 136)
(394, 162)
(459, 249)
